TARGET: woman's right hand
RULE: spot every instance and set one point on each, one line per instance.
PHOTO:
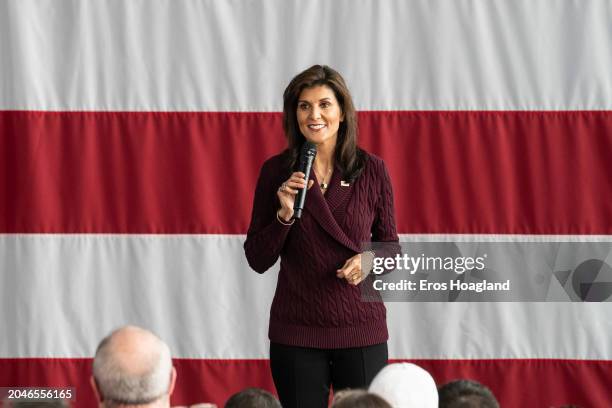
(288, 190)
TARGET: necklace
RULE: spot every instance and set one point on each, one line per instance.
(324, 184)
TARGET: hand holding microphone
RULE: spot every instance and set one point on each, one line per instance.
(288, 191)
(292, 194)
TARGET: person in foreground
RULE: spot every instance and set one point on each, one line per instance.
(252, 398)
(406, 385)
(133, 367)
(321, 333)
(358, 399)
(466, 394)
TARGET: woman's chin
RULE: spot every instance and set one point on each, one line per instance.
(316, 138)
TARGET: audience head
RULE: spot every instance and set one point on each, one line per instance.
(358, 399)
(132, 366)
(406, 385)
(252, 398)
(466, 394)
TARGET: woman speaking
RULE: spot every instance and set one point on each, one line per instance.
(321, 333)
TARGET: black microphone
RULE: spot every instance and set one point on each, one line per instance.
(307, 156)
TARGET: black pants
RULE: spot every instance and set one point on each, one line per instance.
(303, 376)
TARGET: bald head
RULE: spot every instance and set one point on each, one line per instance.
(132, 366)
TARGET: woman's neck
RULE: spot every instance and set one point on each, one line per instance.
(325, 157)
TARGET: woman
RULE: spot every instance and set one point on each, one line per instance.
(321, 333)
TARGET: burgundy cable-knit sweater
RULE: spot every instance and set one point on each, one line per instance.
(311, 306)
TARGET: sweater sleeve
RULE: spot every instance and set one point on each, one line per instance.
(383, 227)
(266, 235)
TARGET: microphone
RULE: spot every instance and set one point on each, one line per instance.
(307, 156)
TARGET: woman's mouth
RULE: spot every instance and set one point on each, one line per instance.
(316, 127)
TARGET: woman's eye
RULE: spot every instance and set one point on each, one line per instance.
(303, 106)
(325, 105)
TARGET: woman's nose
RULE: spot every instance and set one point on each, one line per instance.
(315, 113)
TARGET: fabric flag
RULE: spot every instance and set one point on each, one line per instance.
(131, 135)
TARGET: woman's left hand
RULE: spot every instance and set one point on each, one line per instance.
(351, 271)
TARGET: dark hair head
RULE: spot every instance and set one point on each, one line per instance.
(349, 158)
(252, 398)
(466, 394)
(358, 399)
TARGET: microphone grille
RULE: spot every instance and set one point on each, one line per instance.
(309, 148)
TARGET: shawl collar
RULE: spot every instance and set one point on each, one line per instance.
(321, 207)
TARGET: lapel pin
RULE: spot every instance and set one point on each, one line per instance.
(344, 183)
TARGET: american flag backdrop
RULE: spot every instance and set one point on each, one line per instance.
(132, 133)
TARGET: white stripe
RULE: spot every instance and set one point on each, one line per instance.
(60, 294)
(502, 238)
(239, 55)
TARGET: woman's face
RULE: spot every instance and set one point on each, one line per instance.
(319, 115)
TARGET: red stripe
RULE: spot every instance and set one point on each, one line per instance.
(528, 383)
(194, 172)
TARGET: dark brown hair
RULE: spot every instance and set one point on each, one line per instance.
(348, 157)
(252, 398)
(466, 393)
(358, 399)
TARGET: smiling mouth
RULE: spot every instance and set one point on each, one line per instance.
(316, 127)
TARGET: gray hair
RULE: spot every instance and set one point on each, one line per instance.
(119, 385)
